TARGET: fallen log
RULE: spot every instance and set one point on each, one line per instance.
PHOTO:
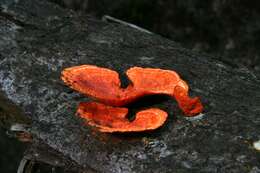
(39, 39)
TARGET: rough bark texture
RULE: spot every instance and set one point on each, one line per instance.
(39, 39)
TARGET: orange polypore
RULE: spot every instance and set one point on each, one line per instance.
(113, 119)
(104, 85)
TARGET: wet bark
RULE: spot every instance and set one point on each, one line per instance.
(38, 39)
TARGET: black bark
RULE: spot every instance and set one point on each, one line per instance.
(38, 39)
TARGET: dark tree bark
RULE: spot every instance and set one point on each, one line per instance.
(38, 39)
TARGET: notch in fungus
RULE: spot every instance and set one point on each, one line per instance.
(113, 119)
(104, 85)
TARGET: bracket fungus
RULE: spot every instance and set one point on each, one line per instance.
(104, 85)
(113, 119)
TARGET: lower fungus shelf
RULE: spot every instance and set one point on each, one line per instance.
(114, 119)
